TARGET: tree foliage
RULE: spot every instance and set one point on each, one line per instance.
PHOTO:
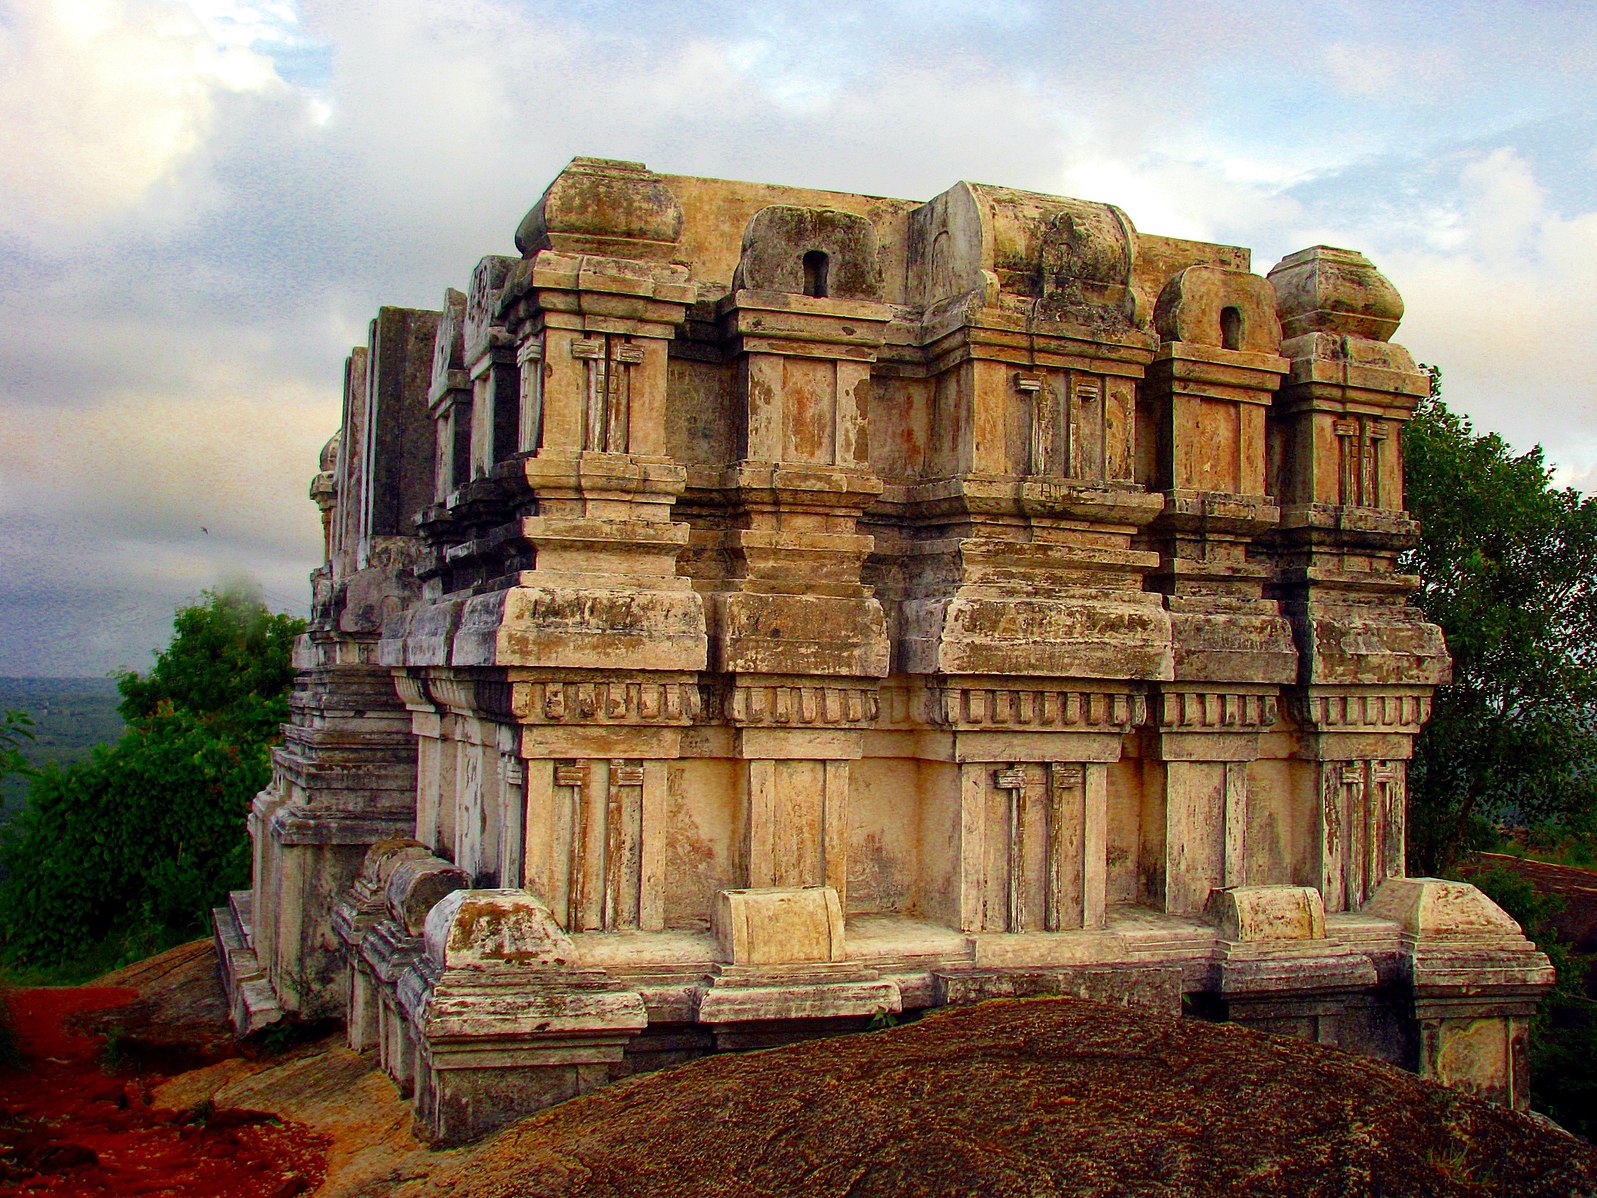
(1508, 567)
(16, 729)
(139, 841)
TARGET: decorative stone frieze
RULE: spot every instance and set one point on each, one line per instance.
(957, 702)
(1357, 710)
(776, 702)
(1197, 711)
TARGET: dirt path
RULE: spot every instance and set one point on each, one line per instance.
(71, 1126)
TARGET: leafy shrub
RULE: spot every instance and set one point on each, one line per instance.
(136, 844)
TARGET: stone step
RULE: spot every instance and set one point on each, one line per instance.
(251, 1002)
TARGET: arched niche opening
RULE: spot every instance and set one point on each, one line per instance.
(1231, 330)
(815, 269)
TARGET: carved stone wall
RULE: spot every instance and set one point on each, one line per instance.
(821, 604)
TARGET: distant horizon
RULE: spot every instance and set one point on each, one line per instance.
(4, 678)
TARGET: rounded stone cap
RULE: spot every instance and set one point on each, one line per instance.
(449, 342)
(495, 927)
(488, 279)
(417, 885)
(1327, 290)
(1268, 913)
(1075, 257)
(778, 240)
(386, 856)
(329, 459)
(603, 206)
(1055, 238)
(1219, 308)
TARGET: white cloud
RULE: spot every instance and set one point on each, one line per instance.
(1502, 204)
(115, 514)
(1175, 197)
(141, 466)
(1504, 311)
(1496, 282)
(242, 25)
(1389, 70)
(99, 101)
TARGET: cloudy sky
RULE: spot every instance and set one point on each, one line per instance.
(202, 202)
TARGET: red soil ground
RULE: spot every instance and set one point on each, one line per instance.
(69, 1127)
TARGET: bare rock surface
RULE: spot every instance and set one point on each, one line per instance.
(179, 1021)
(1017, 1097)
(1026, 1097)
(345, 1097)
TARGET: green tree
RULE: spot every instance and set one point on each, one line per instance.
(228, 663)
(133, 846)
(16, 728)
(1508, 568)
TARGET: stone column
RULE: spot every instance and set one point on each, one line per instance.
(558, 615)
(1036, 832)
(592, 811)
(594, 838)
(1210, 387)
(796, 739)
(1023, 563)
(793, 603)
(435, 783)
(493, 373)
(799, 640)
(1023, 601)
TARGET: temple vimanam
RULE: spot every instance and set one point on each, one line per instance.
(753, 611)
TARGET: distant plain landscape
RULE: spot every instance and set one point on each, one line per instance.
(70, 716)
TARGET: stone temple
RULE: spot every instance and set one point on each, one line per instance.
(752, 611)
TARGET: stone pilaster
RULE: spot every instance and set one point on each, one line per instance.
(1206, 739)
(1367, 661)
(1030, 764)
